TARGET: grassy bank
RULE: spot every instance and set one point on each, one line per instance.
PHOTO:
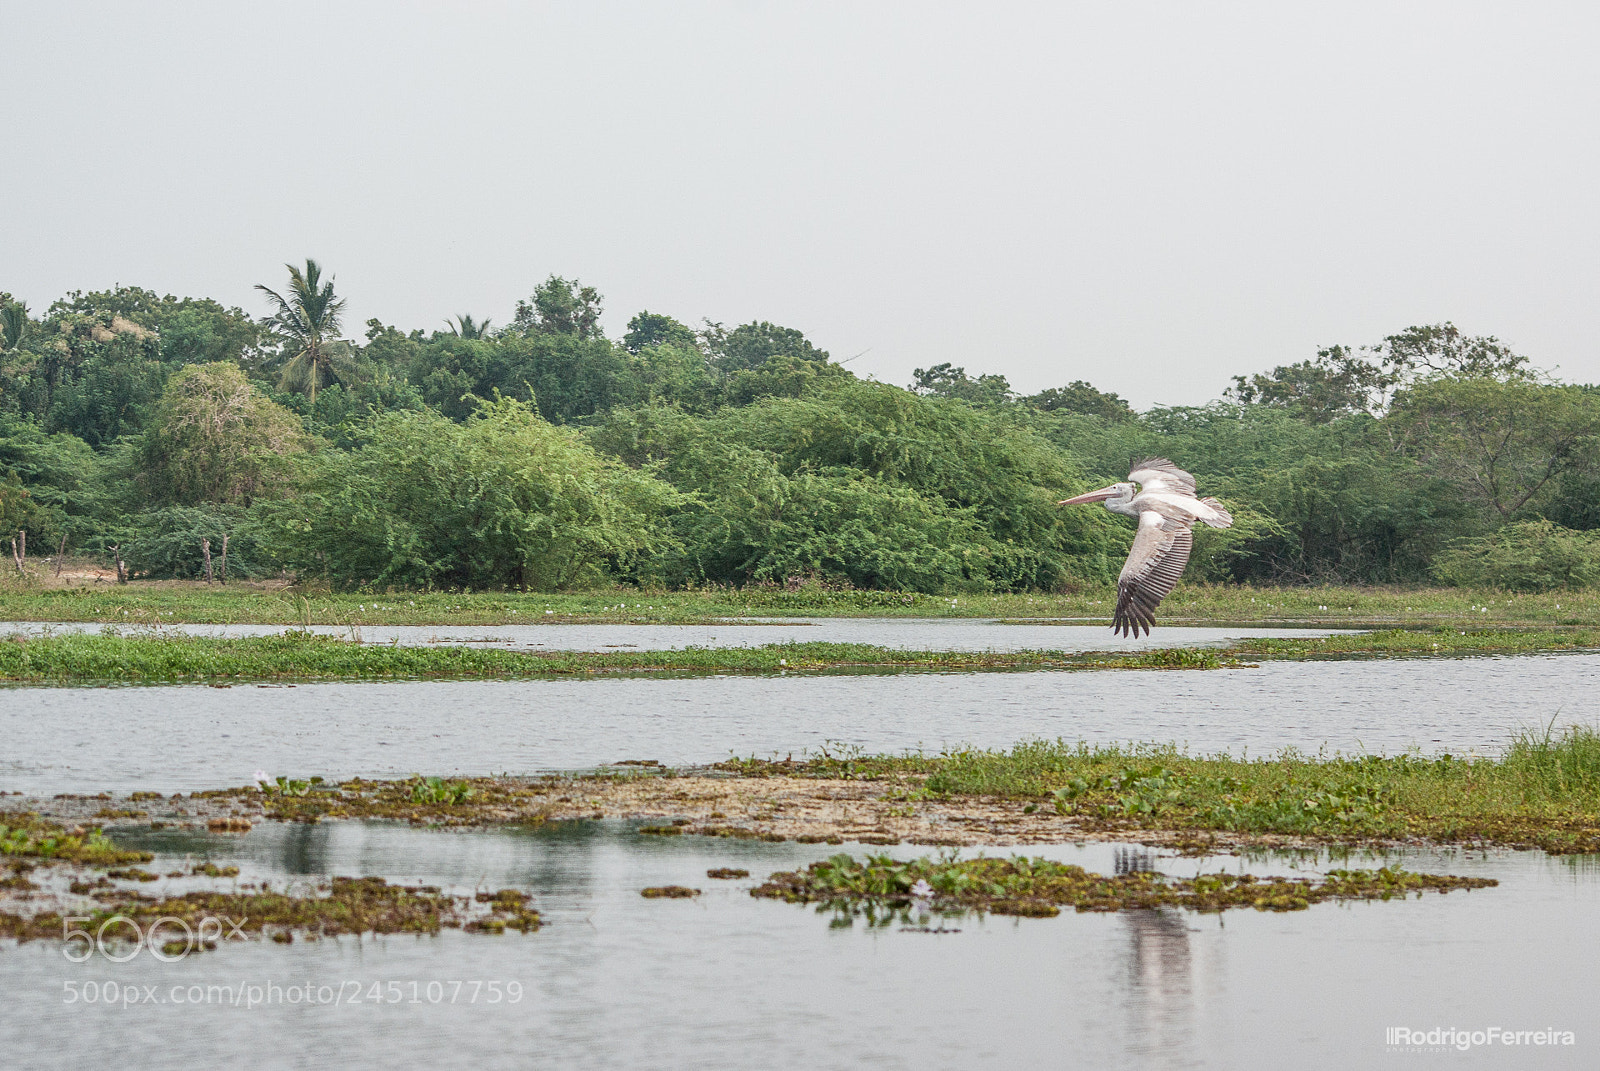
(293, 655)
(148, 602)
(1542, 791)
(302, 656)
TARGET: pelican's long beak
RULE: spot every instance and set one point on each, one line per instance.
(1093, 496)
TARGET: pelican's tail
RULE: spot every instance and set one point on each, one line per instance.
(1220, 518)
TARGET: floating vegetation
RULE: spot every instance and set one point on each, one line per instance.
(419, 800)
(668, 892)
(132, 873)
(736, 833)
(438, 790)
(343, 906)
(287, 786)
(29, 835)
(1041, 888)
(727, 873)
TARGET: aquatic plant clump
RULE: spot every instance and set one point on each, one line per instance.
(28, 835)
(343, 906)
(1040, 887)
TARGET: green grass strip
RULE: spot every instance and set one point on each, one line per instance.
(302, 656)
(1542, 791)
(168, 602)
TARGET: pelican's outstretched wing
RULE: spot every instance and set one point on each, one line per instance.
(1159, 475)
(1160, 551)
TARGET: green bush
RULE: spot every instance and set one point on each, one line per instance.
(502, 500)
(871, 486)
(166, 543)
(1525, 556)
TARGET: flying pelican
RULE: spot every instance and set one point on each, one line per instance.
(1166, 508)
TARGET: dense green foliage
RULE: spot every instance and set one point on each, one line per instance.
(543, 455)
(502, 500)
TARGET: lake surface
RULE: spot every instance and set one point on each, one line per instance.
(727, 981)
(907, 634)
(187, 737)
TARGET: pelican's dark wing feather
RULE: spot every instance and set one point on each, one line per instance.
(1160, 551)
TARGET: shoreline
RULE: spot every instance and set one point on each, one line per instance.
(775, 808)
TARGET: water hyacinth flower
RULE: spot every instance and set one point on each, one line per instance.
(263, 778)
(922, 890)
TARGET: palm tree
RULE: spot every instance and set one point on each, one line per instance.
(466, 328)
(13, 324)
(309, 318)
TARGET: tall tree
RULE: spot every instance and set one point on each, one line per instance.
(1080, 396)
(13, 324)
(657, 329)
(560, 307)
(216, 440)
(753, 344)
(310, 319)
(466, 327)
(1500, 443)
(949, 381)
(1339, 382)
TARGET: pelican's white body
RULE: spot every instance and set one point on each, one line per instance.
(1167, 506)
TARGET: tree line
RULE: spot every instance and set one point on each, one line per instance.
(541, 454)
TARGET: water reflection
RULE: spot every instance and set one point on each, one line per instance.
(1160, 977)
(1133, 859)
(729, 981)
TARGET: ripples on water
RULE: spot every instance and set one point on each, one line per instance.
(191, 736)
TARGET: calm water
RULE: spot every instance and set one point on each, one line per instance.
(914, 634)
(726, 981)
(186, 737)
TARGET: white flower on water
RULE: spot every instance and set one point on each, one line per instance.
(922, 890)
(263, 778)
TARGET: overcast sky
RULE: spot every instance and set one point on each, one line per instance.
(1152, 197)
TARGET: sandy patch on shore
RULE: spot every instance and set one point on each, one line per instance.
(768, 808)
